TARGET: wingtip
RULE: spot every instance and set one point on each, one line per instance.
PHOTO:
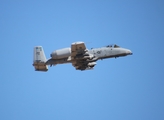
(79, 42)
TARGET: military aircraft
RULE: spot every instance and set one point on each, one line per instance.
(80, 57)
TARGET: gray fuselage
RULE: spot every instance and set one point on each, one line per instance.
(97, 53)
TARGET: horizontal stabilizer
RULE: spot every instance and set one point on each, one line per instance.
(39, 59)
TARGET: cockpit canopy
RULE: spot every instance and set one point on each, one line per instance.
(113, 46)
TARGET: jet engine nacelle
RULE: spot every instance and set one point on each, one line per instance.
(61, 53)
(91, 64)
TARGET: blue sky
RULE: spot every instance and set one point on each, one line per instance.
(127, 88)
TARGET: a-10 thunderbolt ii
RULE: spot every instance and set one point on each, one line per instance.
(80, 57)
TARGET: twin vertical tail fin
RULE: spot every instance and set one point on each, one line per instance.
(39, 59)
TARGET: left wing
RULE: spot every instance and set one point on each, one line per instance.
(80, 56)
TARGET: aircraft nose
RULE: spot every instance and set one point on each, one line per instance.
(129, 52)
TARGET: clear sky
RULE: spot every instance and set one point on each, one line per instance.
(127, 88)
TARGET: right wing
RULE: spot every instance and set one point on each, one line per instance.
(80, 56)
(77, 48)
